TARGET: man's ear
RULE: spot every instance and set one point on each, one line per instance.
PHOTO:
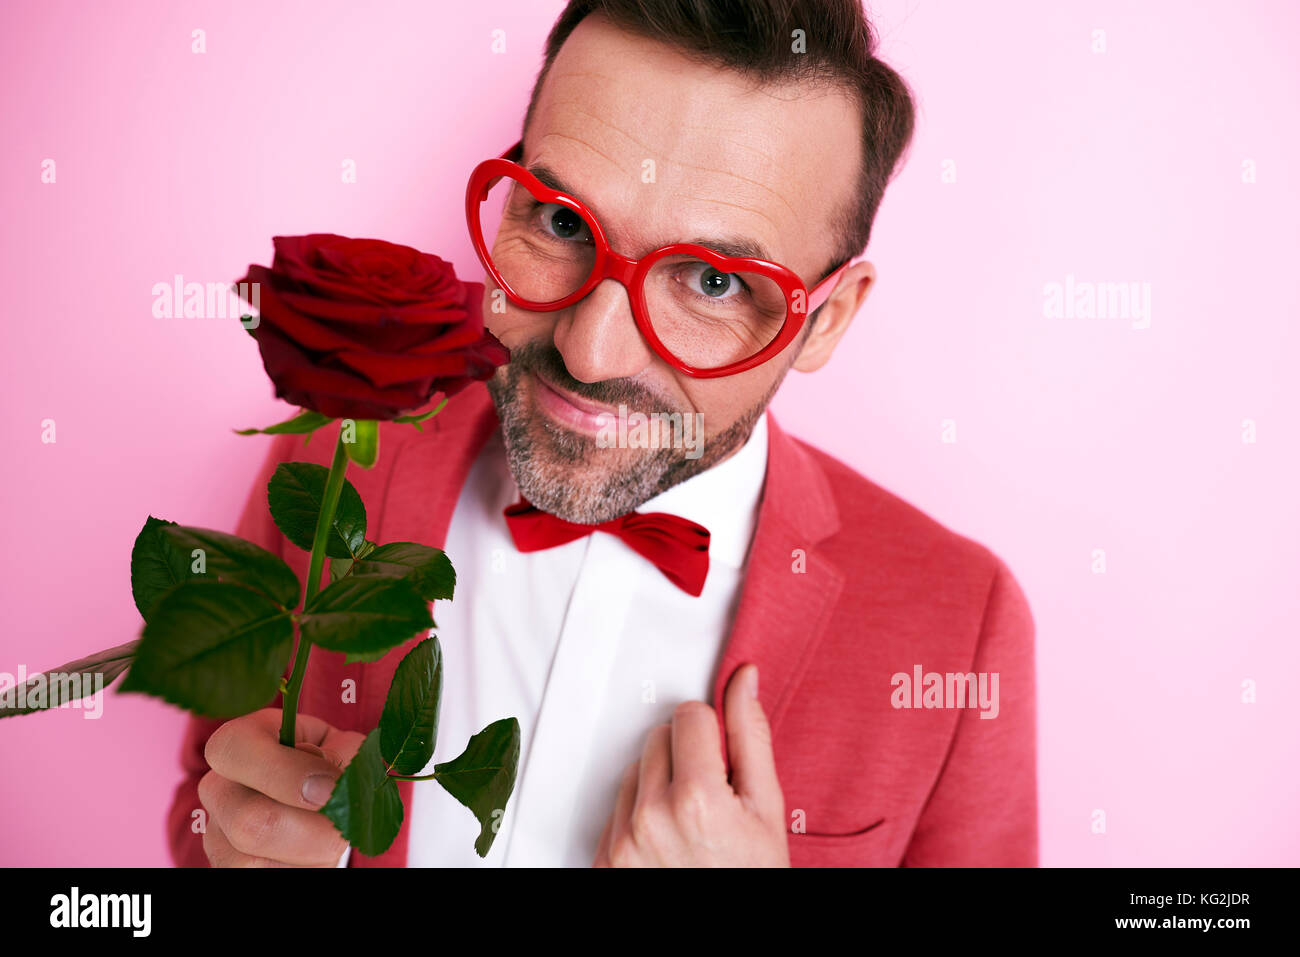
(835, 315)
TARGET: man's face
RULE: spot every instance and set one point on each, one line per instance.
(772, 165)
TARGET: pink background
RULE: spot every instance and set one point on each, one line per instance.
(1072, 434)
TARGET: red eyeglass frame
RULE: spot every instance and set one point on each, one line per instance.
(631, 272)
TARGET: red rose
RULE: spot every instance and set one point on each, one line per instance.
(366, 329)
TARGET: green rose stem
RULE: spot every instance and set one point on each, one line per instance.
(333, 486)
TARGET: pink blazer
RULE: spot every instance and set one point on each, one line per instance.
(846, 586)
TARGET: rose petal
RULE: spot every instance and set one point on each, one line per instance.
(276, 313)
(389, 370)
(329, 391)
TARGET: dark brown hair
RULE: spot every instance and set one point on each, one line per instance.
(754, 38)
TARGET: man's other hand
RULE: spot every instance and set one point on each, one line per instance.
(676, 808)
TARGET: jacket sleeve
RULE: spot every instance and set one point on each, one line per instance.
(186, 818)
(983, 811)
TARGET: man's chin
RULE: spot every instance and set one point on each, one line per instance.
(557, 444)
(561, 470)
(568, 473)
(564, 472)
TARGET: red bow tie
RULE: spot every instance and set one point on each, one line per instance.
(677, 546)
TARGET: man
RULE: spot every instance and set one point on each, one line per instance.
(833, 621)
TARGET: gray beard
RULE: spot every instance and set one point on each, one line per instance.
(549, 462)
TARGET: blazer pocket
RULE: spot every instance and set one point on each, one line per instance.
(862, 848)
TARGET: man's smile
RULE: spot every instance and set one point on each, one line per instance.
(569, 410)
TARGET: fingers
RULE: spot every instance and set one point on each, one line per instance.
(306, 727)
(222, 854)
(696, 745)
(675, 806)
(656, 765)
(252, 825)
(619, 827)
(749, 743)
(341, 747)
(602, 847)
(262, 798)
(247, 750)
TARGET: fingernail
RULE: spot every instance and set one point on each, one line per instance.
(317, 789)
(753, 681)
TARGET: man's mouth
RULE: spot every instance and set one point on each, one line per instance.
(569, 410)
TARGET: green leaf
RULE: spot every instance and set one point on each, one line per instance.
(295, 493)
(230, 558)
(339, 567)
(483, 777)
(155, 568)
(415, 420)
(364, 450)
(304, 421)
(214, 648)
(69, 682)
(364, 616)
(163, 557)
(366, 806)
(408, 728)
(427, 569)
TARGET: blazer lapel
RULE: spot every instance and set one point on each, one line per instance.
(425, 483)
(790, 589)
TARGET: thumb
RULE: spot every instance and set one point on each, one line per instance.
(338, 747)
(331, 756)
(749, 744)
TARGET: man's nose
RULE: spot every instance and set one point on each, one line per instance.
(598, 337)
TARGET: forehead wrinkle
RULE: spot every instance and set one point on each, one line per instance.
(649, 151)
(616, 232)
(561, 74)
(745, 179)
(585, 197)
(745, 209)
(563, 136)
(578, 108)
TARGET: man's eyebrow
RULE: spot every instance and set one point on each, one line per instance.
(546, 176)
(735, 246)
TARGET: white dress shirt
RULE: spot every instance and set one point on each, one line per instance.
(588, 644)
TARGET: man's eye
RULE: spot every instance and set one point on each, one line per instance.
(708, 281)
(717, 284)
(563, 223)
